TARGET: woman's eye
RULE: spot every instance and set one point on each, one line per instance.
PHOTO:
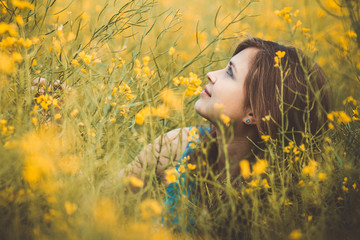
(229, 72)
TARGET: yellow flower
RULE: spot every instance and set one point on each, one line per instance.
(141, 115)
(71, 36)
(181, 169)
(171, 100)
(350, 99)
(295, 234)
(266, 118)
(301, 183)
(265, 183)
(245, 168)
(171, 175)
(194, 135)
(171, 51)
(322, 176)
(75, 62)
(70, 208)
(351, 34)
(310, 169)
(34, 121)
(280, 54)
(19, 20)
(302, 147)
(136, 182)
(161, 111)
(225, 119)
(150, 208)
(265, 137)
(276, 60)
(57, 116)
(23, 5)
(345, 189)
(74, 112)
(191, 166)
(104, 213)
(146, 60)
(259, 167)
(254, 183)
(17, 57)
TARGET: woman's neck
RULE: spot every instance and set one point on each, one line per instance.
(234, 147)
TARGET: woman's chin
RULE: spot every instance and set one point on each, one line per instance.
(199, 109)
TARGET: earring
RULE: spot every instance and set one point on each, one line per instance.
(247, 121)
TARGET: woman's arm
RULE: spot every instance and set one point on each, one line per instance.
(163, 152)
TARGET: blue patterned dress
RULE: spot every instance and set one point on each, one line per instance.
(180, 198)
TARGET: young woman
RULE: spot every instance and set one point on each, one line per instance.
(266, 89)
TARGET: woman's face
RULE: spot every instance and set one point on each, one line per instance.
(225, 91)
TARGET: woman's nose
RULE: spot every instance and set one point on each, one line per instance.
(211, 77)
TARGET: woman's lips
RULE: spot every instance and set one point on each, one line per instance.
(207, 92)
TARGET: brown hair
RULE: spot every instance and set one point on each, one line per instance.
(305, 92)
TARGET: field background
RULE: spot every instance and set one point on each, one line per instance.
(85, 85)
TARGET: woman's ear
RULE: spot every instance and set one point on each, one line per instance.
(249, 118)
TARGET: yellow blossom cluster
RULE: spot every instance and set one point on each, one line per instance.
(125, 90)
(310, 169)
(171, 51)
(136, 182)
(23, 4)
(258, 168)
(339, 117)
(5, 128)
(279, 55)
(192, 84)
(45, 101)
(346, 185)
(350, 100)
(171, 175)
(143, 70)
(86, 58)
(149, 209)
(265, 137)
(193, 137)
(292, 148)
(161, 111)
(116, 63)
(43, 160)
(286, 14)
(104, 213)
(11, 29)
(9, 47)
(170, 102)
(223, 117)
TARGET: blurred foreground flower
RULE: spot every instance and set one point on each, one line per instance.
(70, 208)
(259, 167)
(136, 182)
(104, 214)
(150, 208)
(171, 175)
(245, 169)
